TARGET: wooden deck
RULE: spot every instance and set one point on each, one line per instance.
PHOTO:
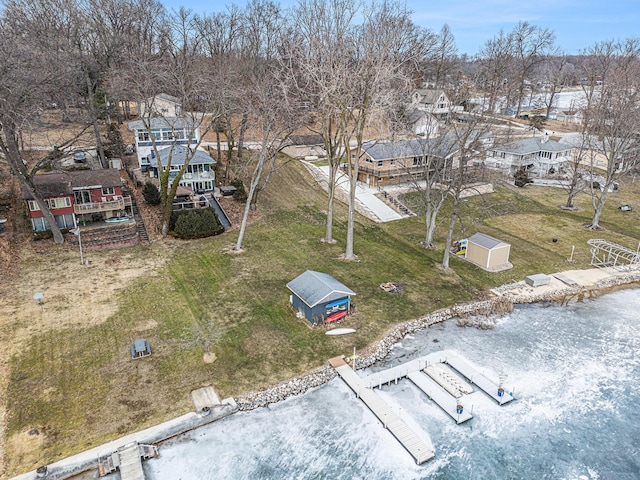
(392, 422)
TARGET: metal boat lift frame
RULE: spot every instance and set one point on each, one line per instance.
(608, 254)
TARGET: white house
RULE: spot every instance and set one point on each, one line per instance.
(434, 102)
(161, 105)
(539, 155)
(164, 132)
(199, 175)
(422, 123)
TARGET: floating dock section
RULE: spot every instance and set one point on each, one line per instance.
(444, 377)
(392, 422)
(494, 390)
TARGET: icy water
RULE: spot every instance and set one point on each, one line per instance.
(574, 371)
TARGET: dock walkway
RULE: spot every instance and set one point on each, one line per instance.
(439, 395)
(130, 463)
(474, 376)
(392, 422)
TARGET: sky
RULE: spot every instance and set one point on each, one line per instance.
(577, 24)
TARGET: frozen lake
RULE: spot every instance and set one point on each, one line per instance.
(574, 370)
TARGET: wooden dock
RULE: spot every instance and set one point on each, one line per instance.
(130, 463)
(392, 422)
(440, 396)
(474, 376)
(127, 459)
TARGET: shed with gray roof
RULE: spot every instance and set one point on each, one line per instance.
(488, 252)
(320, 297)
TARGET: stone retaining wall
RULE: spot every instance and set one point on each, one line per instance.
(494, 306)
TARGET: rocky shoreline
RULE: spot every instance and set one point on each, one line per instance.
(502, 302)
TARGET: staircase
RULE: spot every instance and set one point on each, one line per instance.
(142, 229)
(396, 204)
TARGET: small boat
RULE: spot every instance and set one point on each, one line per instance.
(336, 316)
(340, 331)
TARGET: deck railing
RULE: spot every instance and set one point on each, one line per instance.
(95, 207)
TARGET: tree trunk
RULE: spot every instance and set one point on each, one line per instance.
(255, 180)
(12, 153)
(94, 118)
(333, 167)
(353, 178)
(452, 224)
(243, 129)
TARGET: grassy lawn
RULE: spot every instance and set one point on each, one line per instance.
(79, 387)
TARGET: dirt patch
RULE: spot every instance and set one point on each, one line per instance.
(26, 446)
(73, 295)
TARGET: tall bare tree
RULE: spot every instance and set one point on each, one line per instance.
(611, 114)
(386, 48)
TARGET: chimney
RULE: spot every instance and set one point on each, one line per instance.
(545, 138)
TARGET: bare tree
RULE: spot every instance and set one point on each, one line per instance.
(38, 71)
(385, 49)
(612, 114)
(320, 63)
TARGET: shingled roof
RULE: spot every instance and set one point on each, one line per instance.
(532, 145)
(57, 184)
(314, 288)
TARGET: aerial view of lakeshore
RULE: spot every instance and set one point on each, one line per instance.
(318, 239)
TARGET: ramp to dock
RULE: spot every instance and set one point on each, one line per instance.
(130, 463)
(392, 422)
(440, 396)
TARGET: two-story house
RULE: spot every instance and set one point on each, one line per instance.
(77, 197)
(538, 155)
(199, 175)
(435, 102)
(163, 132)
(386, 163)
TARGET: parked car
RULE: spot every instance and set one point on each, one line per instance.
(80, 157)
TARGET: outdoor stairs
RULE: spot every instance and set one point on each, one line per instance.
(397, 205)
(142, 229)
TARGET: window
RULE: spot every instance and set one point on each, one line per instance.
(380, 163)
(33, 206)
(143, 136)
(368, 160)
(418, 161)
(108, 190)
(393, 162)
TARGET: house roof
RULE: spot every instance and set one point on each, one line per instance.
(485, 241)
(314, 288)
(532, 145)
(442, 147)
(178, 155)
(167, 97)
(428, 95)
(57, 184)
(306, 139)
(161, 122)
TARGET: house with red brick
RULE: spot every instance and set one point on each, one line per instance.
(78, 198)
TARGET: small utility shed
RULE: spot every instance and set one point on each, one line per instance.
(320, 297)
(488, 253)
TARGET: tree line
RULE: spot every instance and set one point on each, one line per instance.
(337, 68)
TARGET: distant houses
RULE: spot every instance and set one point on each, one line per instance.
(538, 155)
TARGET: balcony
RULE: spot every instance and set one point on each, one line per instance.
(97, 207)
